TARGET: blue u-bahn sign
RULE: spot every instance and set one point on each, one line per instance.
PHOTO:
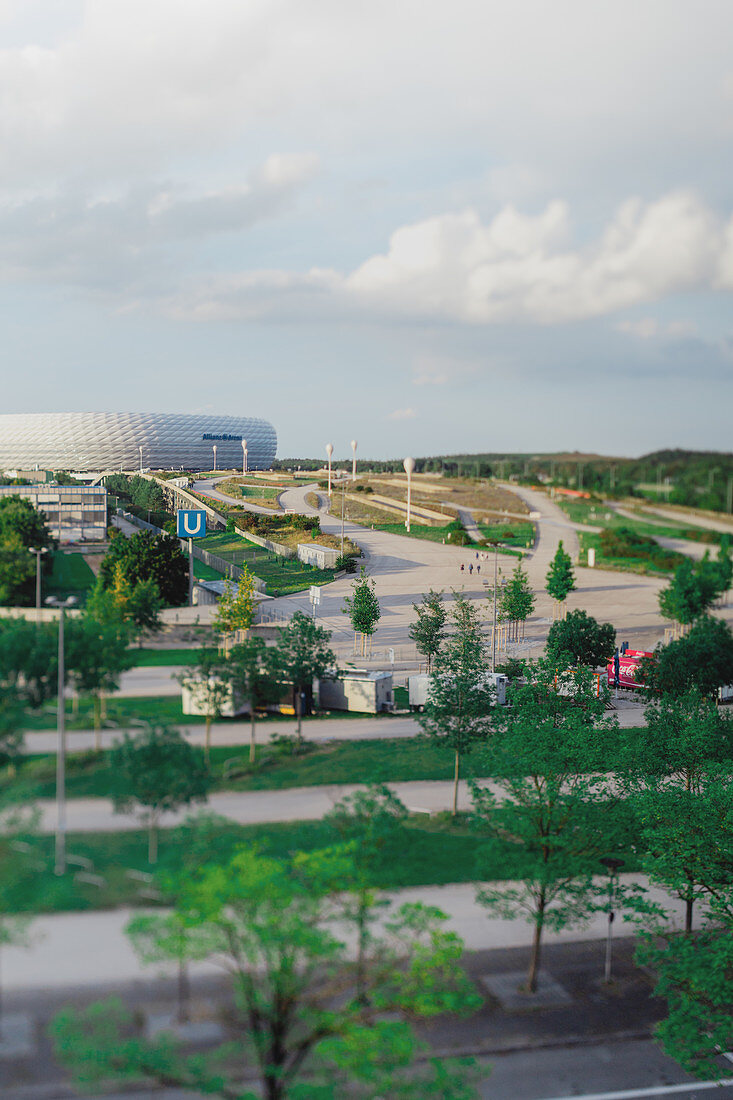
(191, 523)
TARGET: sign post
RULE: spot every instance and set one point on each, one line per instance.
(191, 524)
(315, 597)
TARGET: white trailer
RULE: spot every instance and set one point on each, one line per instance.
(418, 687)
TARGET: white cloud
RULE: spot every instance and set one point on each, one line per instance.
(516, 268)
(107, 238)
(402, 414)
(647, 328)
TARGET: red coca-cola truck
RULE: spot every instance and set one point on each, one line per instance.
(628, 665)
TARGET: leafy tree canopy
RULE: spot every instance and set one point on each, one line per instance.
(428, 630)
(146, 557)
(702, 659)
(288, 970)
(580, 640)
(560, 576)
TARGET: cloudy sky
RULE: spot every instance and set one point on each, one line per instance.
(432, 226)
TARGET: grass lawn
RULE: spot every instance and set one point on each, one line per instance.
(388, 760)
(281, 575)
(161, 709)
(641, 564)
(161, 658)
(597, 515)
(70, 576)
(440, 534)
(378, 761)
(423, 852)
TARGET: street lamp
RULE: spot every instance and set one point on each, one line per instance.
(613, 866)
(244, 457)
(353, 461)
(38, 553)
(329, 452)
(141, 458)
(60, 860)
(493, 629)
(409, 465)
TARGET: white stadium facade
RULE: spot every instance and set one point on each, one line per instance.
(112, 441)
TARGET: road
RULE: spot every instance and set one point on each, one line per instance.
(630, 1070)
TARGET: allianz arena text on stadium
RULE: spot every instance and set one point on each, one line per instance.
(112, 441)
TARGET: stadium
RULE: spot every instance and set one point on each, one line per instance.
(112, 441)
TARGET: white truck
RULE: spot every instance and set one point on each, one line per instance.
(418, 685)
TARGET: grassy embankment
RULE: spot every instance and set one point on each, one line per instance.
(70, 576)
(282, 575)
(423, 852)
(439, 496)
(629, 544)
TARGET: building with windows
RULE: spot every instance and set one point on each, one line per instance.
(74, 513)
(129, 441)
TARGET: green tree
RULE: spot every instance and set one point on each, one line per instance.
(209, 685)
(546, 800)
(253, 674)
(428, 630)
(144, 607)
(686, 743)
(288, 973)
(560, 581)
(21, 527)
(97, 652)
(685, 599)
(236, 609)
(459, 707)
(29, 659)
(158, 771)
(11, 726)
(579, 639)
(145, 557)
(303, 655)
(695, 970)
(362, 607)
(517, 601)
(701, 659)
(18, 827)
(368, 825)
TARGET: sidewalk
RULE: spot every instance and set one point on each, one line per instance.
(80, 950)
(251, 807)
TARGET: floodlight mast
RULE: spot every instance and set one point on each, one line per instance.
(409, 465)
(329, 452)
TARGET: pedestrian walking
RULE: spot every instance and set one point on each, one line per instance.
(470, 568)
(462, 567)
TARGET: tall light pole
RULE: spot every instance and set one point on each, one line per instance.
(613, 865)
(60, 854)
(329, 452)
(409, 465)
(353, 460)
(493, 631)
(214, 448)
(39, 553)
(141, 458)
(244, 457)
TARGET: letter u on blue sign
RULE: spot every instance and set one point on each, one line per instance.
(191, 523)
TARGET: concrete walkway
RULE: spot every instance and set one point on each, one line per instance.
(89, 949)
(96, 815)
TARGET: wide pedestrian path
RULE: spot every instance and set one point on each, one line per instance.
(90, 949)
(630, 713)
(95, 815)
